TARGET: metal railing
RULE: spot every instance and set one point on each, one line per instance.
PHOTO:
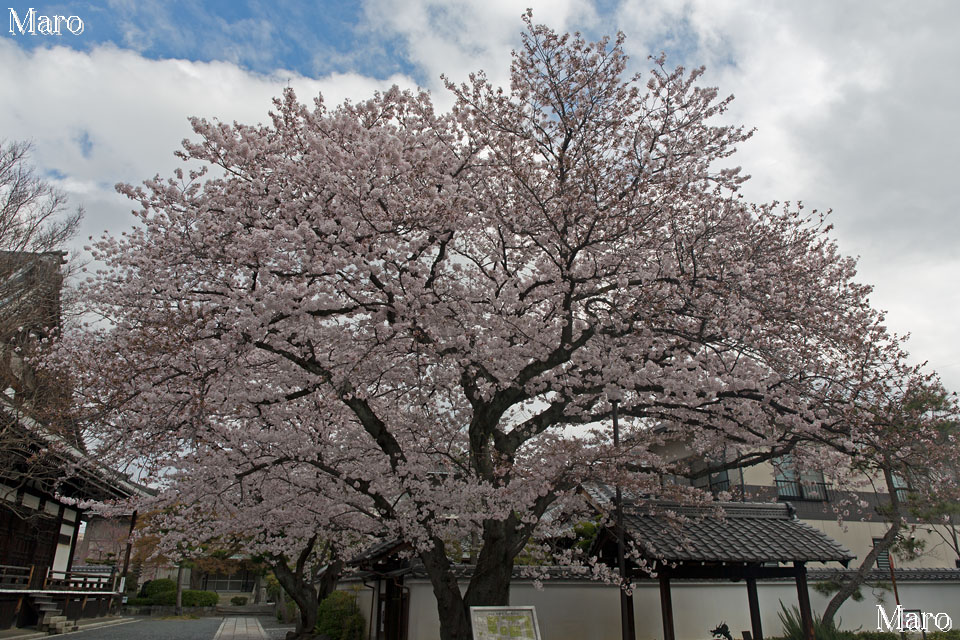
(716, 486)
(803, 491)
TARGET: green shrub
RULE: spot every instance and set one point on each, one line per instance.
(138, 602)
(793, 627)
(158, 586)
(238, 600)
(878, 635)
(292, 612)
(190, 598)
(339, 617)
(953, 634)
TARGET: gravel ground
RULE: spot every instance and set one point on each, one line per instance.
(154, 629)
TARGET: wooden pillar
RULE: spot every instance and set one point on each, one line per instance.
(127, 551)
(628, 627)
(803, 599)
(666, 608)
(117, 600)
(76, 538)
(754, 609)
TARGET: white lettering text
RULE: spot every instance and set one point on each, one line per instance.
(33, 23)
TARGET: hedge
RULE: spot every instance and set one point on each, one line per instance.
(154, 587)
(190, 598)
(339, 617)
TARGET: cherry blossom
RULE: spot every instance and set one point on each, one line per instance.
(415, 322)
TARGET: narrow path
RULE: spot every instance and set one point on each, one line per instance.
(240, 628)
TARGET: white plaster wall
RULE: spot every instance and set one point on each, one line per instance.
(578, 611)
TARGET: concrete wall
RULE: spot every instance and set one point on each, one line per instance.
(104, 540)
(572, 610)
(858, 538)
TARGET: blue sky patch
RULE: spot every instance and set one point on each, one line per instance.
(311, 38)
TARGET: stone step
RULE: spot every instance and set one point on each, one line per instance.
(50, 620)
(49, 617)
(63, 627)
(245, 610)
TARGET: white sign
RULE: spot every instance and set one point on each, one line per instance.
(504, 623)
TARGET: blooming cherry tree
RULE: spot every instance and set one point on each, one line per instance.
(430, 314)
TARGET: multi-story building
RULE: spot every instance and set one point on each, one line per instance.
(44, 471)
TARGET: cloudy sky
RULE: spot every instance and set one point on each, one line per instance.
(855, 103)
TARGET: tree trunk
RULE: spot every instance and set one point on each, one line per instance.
(489, 585)
(848, 587)
(329, 578)
(302, 593)
(178, 610)
(851, 584)
(299, 585)
(454, 621)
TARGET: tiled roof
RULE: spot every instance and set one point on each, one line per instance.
(416, 570)
(381, 551)
(745, 532)
(883, 575)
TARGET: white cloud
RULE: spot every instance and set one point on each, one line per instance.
(110, 115)
(454, 38)
(855, 109)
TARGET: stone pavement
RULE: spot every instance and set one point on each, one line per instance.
(240, 628)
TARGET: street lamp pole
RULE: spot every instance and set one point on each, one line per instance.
(627, 626)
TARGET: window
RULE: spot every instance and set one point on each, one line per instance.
(883, 560)
(901, 486)
(240, 581)
(794, 484)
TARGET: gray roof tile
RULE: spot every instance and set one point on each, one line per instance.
(745, 532)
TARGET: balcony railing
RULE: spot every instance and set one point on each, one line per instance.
(802, 491)
(43, 579)
(80, 581)
(15, 577)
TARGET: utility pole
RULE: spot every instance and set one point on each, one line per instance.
(627, 625)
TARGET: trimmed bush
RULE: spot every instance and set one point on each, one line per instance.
(138, 602)
(339, 617)
(158, 586)
(238, 601)
(190, 598)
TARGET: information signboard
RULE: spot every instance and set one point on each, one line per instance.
(504, 623)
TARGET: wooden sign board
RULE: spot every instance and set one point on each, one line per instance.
(504, 623)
